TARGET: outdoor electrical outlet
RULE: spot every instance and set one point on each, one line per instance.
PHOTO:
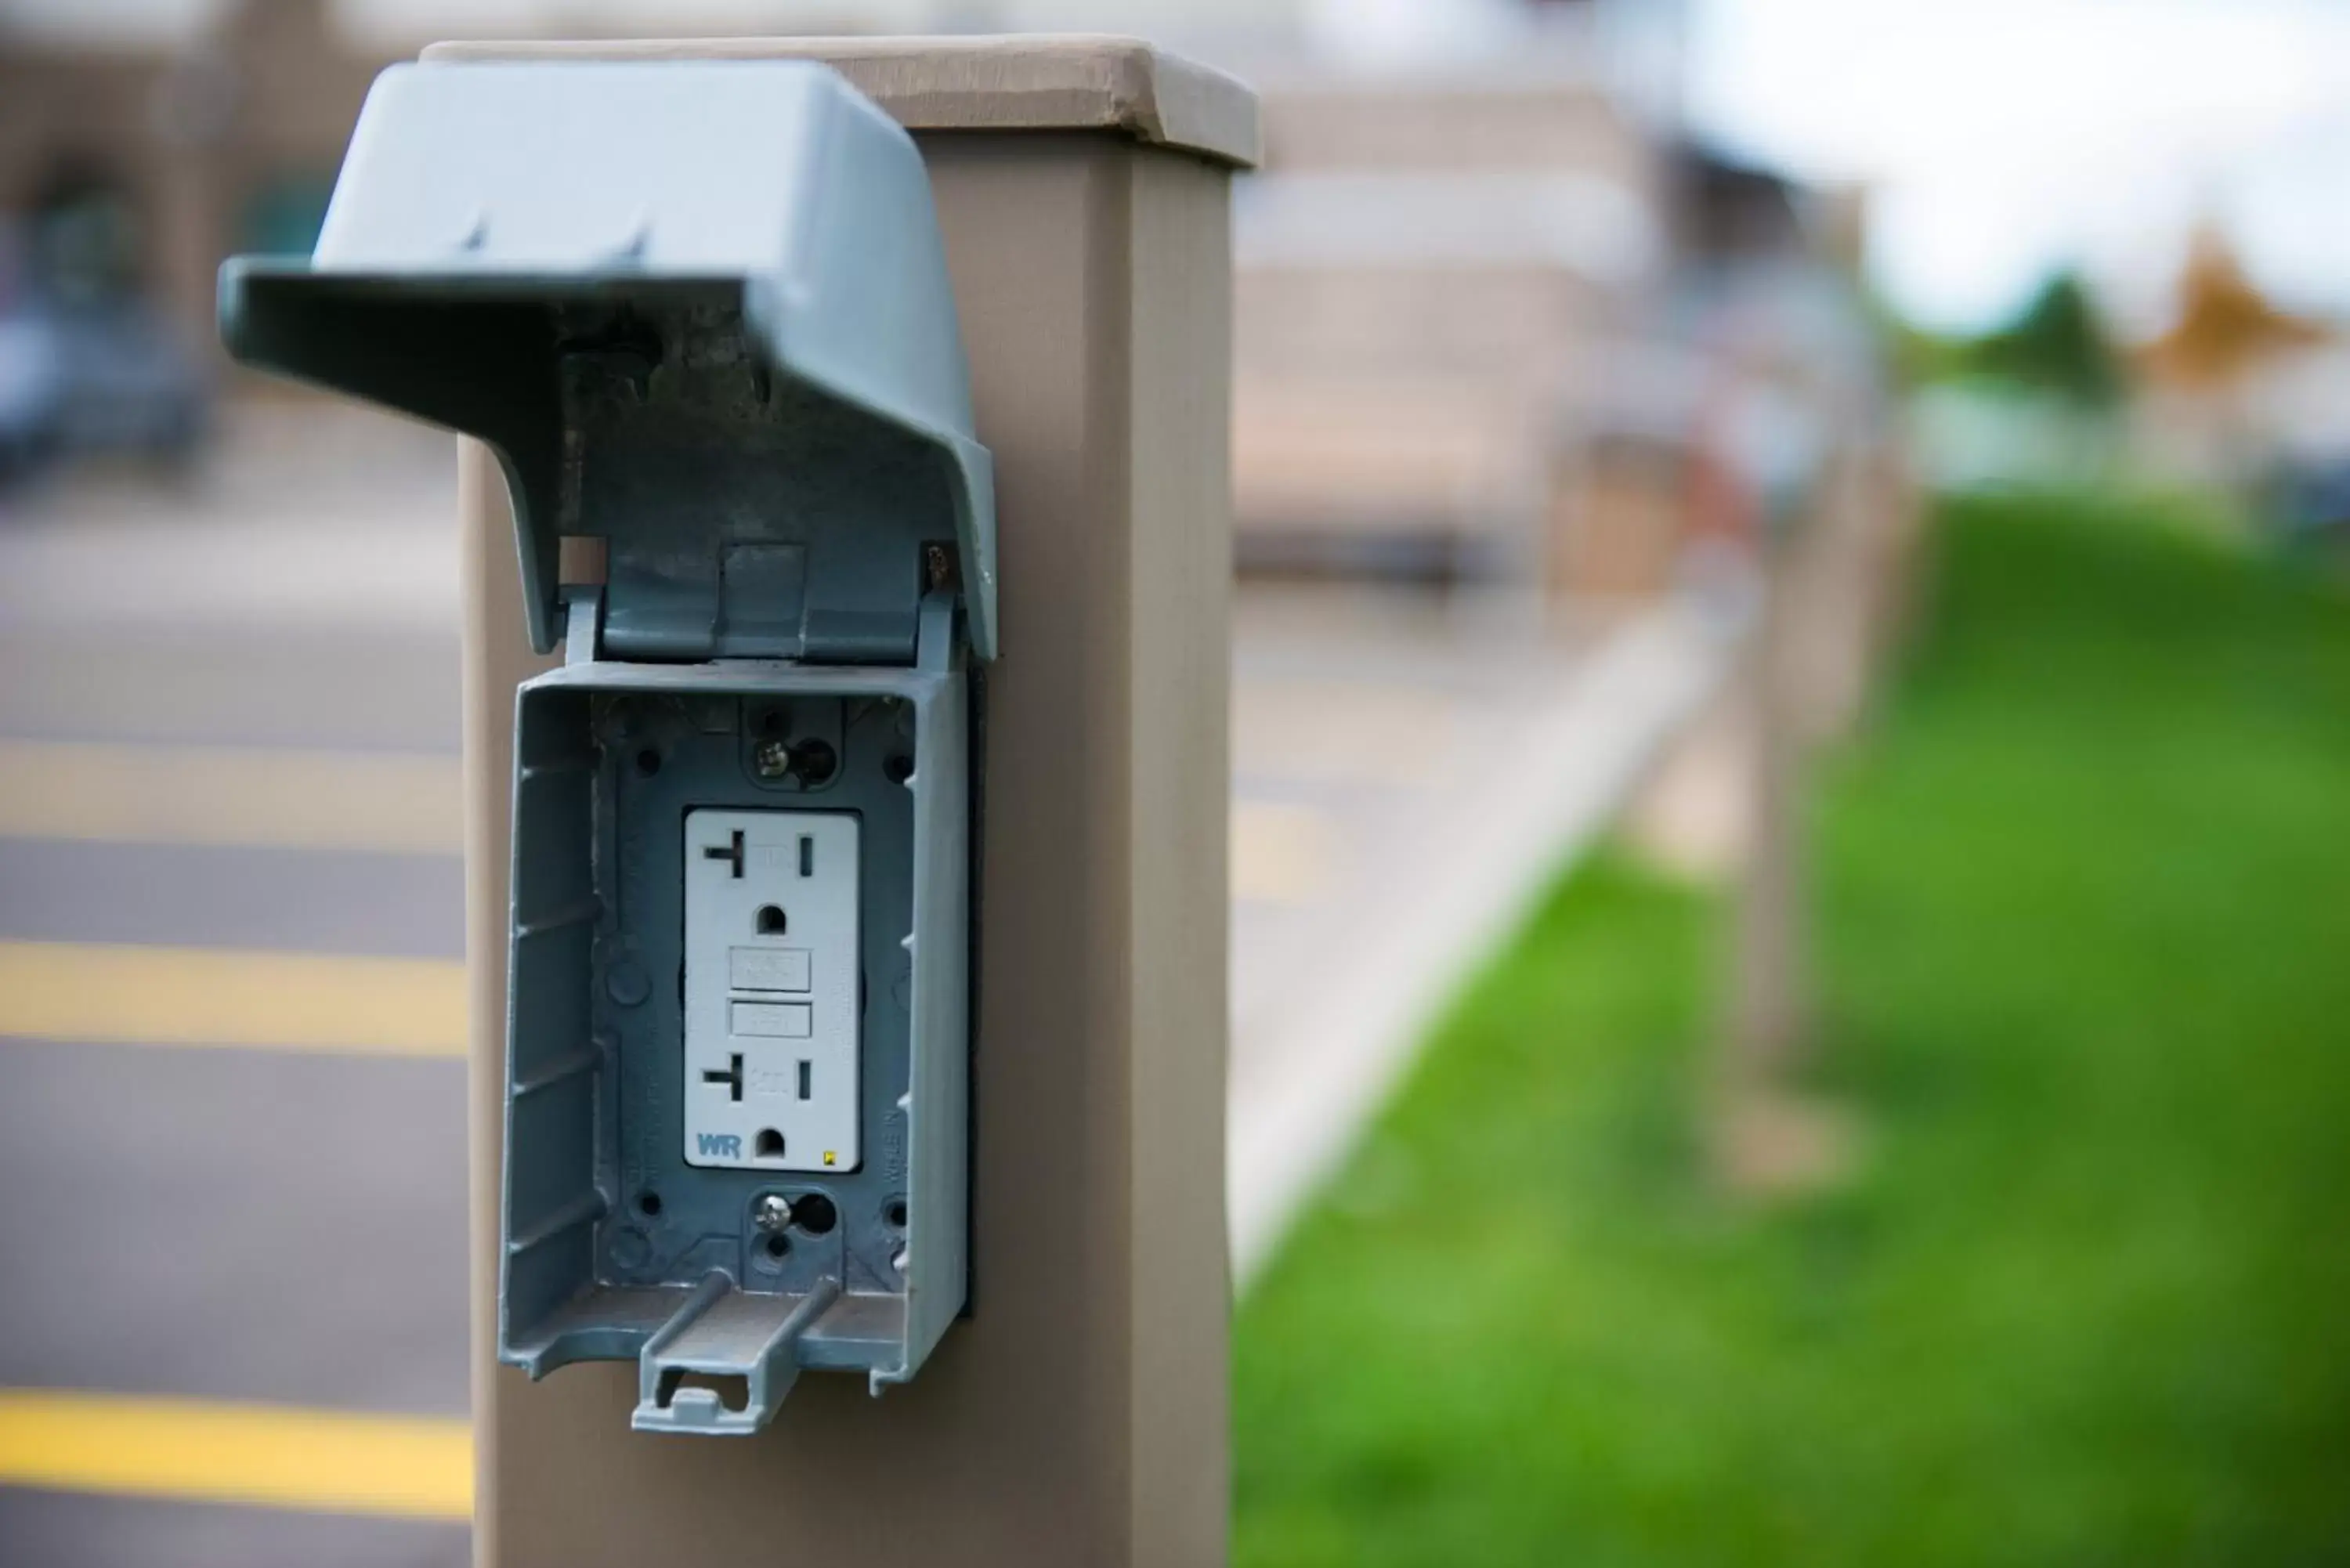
(771, 990)
(701, 313)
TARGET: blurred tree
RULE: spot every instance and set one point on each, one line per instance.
(2224, 326)
(2058, 344)
(1920, 356)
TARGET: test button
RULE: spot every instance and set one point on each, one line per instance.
(766, 968)
(771, 1019)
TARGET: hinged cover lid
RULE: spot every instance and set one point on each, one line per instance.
(699, 308)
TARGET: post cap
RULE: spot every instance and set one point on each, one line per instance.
(1027, 81)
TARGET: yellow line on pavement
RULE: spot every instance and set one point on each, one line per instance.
(413, 1467)
(395, 802)
(195, 996)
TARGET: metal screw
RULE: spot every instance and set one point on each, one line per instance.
(771, 758)
(772, 1212)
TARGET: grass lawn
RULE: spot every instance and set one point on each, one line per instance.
(2085, 939)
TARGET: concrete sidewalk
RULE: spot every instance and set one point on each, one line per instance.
(1405, 787)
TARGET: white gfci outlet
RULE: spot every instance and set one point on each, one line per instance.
(772, 1008)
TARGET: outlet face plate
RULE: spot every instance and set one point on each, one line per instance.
(772, 1071)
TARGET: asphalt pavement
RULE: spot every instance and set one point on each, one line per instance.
(232, 1231)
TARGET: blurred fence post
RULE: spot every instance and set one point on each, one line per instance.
(1078, 1418)
(1770, 1004)
(1834, 590)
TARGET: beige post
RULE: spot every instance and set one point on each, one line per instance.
(1078, 1416)
(1835, 594)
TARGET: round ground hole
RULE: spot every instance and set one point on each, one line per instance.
(815, 761)
(815, 1213)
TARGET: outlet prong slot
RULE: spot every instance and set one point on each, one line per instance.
(733, 1077)
(729, 851)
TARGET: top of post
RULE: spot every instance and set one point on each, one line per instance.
(1017, 82)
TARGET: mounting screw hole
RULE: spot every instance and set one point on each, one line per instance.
(815, 761)
(769, 1144)
(648, 1204)
(898, 767)
(893, 1213)
(648, 763)
(815, 1213)
(772, 920)
(776, 1247)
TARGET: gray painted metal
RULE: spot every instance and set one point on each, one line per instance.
(515, 251)
(700, 312)
(616, 1246)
